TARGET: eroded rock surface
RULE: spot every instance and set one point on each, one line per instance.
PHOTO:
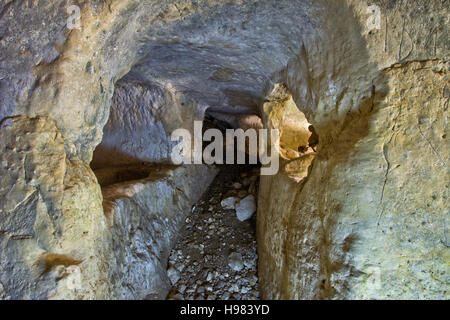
(141, 120)
(367, 219)
(145, 218)
(51, 216)
(59, 242)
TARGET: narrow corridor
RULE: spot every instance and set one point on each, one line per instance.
(215, 257)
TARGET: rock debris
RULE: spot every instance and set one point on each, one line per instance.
(215, 257)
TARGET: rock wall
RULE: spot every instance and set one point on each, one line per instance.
(141, 120)
(52, 220)
(57, 240)
(145, 218)
(370, 220)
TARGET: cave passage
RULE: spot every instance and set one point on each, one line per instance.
(214, 256)
(353, 96)
(210, 247)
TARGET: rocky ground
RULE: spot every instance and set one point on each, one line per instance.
(215, 257)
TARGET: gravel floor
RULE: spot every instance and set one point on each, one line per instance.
(215, 257)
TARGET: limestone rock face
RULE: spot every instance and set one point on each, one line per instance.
(133, 132)
(142, 118)
(51, 217)
(145, 217)
(368, 218)
(57, 240)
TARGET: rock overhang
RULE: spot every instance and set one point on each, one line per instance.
(225, 56)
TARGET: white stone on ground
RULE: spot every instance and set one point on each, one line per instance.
(229, 203)
(173, 274)
(246, 208)
(249, 264)
(235, 261)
